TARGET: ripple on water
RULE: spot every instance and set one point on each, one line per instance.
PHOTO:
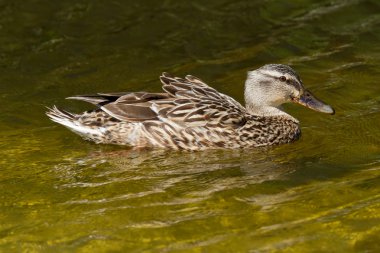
(60, 193)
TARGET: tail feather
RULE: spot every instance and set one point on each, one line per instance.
(59, 116)
(71, 121)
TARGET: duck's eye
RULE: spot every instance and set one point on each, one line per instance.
(282, 78)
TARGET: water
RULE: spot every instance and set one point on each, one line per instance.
(62, 194)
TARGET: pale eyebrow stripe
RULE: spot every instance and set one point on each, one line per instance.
(297, 86)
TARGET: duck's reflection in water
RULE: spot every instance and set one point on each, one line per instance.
(194, 173)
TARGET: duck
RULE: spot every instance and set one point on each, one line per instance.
(191, 115)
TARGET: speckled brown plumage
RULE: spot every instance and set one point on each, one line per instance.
(189, 115)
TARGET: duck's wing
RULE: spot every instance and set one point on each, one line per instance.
(187, 101)
(128, 106)
(198, 104)
(100, 99)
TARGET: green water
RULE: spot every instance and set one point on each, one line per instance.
(59, 193)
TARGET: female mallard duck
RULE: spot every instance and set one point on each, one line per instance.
(191, 115)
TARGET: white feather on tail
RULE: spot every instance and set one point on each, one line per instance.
(70, 121)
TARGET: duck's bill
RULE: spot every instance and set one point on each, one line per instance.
(307, 99)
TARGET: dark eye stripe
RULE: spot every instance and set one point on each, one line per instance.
(295, 84)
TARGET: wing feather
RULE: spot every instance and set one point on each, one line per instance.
(207, 106)
(186, 101)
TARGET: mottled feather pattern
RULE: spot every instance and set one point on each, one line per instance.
(189, 115)
(198, 103)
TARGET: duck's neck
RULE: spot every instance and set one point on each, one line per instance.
(268, 111)
(263, 102)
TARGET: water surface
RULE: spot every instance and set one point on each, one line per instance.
(62, 194)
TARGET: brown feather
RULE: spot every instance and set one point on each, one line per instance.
(130, 112)
(184, 100)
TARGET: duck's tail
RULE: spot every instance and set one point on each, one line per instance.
(71, 121)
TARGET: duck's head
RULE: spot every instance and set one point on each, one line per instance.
(272, 85)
